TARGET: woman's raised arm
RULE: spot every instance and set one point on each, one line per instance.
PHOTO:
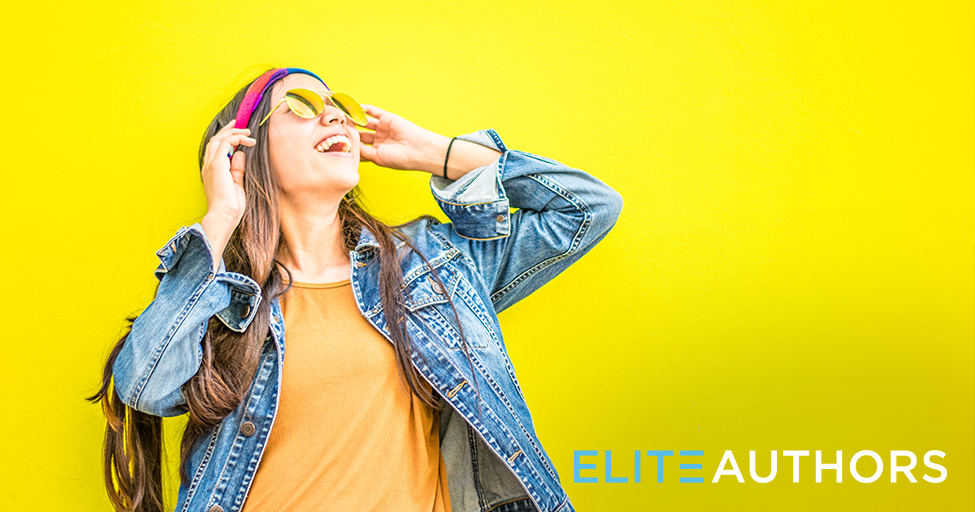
(162, 352)
(562, 214)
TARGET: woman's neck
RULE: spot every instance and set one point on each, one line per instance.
(313, 248)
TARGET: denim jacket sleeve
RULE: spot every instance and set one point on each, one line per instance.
(562, 213)
(163, 351)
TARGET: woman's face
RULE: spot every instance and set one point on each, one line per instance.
(301, 169)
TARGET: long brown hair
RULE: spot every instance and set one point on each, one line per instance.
(133, 439)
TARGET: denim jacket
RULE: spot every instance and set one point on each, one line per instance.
(488, 258)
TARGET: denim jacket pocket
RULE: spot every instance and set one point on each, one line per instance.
(429, 305)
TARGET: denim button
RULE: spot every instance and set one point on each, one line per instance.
(500, 218)
(216, 508)
(244, 311)
(436, 286)
(247, 429)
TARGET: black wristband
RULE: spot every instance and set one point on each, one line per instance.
(447, 157)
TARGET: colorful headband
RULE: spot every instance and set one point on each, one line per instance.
(257, 89)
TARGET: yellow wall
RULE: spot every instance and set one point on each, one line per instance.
(793, 269)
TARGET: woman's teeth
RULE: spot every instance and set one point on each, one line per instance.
(323, 146)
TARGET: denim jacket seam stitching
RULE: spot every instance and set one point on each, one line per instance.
(477, 425)
(447, 360)
(475, 468)
(541, 456)
(187, 232)
(169, 245)
(225, 476)
(452, 285)
(482, 239)
(453, 247)
(511, 371)
(562, 504)
(378, 308)
(413, 307)
(471, 300)
(444, 324)
(456, 192)
(272, 414)
(435, 262)
(249, 474)
(584, 208)
(201, 233)
(500, 199)
(245, 285)
(504, 399)
(250, 396)
(573, 247)
(528, 464)
(202, 469)
(497, 140)
(502, 194)
(506, 503)
(497, 180)
(157, 355)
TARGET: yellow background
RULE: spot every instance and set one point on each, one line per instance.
(793, 268)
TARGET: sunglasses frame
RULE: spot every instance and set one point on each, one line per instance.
(326, 99)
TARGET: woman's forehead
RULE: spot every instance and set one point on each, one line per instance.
(292, 81)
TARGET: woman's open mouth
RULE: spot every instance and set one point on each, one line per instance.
(336, 145)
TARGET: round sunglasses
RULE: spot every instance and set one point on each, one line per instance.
(309, 103)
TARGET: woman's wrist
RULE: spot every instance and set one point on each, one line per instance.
(431, 157)
(217, 232)
(464, 157)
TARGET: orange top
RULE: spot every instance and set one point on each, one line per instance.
(345, 436)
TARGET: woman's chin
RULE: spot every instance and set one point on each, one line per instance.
(342, 175)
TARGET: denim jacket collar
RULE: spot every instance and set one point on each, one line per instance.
(368, 244)
(367, 241)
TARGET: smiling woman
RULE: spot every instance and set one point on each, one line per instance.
(396, 392)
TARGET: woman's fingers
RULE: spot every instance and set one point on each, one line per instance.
(226, 131)
(223, 178)
(374, 111)
(229, 125)
(367, 137)
(367, 153)
(222, 146)
(242, 139)
(237, 168)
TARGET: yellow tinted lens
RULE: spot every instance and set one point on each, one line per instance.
(304, 103)
(350, 106)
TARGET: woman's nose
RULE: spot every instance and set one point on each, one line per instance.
(332, 114)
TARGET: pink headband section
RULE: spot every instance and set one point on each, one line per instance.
(255, 93)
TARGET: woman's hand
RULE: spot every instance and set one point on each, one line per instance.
(400, 144)
(223, 184)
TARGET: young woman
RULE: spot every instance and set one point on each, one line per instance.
(395, 391)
